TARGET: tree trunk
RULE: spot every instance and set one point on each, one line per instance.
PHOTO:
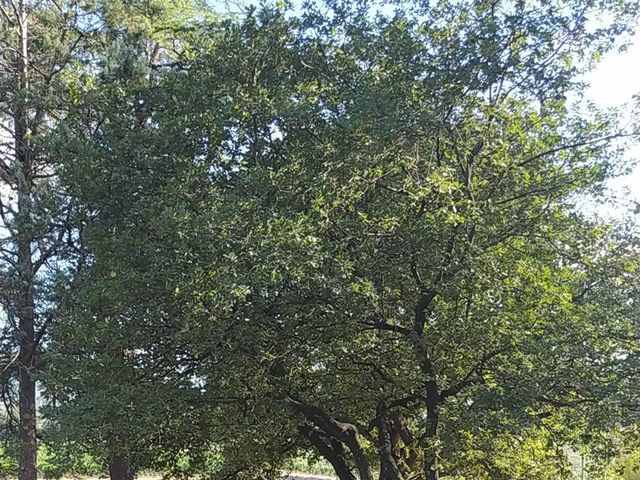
(332, 451)
(388, 467)
(25, 299)
(27, 357)
(431, 451)
(27, 404)
(407, 439)
(342, 432)
(119, 468)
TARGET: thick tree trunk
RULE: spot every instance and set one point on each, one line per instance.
(25, 306)
(342, 432)
(362, 462)
(120, 468)
(431, 452)
(26, 360)
(27, 364)
(388, 467)
(25, 299)
(433, 398)
(408, 441)
(27, 426)
(332, 451)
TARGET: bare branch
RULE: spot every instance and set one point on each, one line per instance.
(11, 362)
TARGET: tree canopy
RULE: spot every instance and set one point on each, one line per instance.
(351, 231)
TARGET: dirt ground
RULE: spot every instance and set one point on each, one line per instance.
(305, 476)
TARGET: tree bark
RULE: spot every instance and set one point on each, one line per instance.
(388, 467)
(332, 451)
(407, 439)
(25, 307)
(120, 468)
(27, 420)
(28, 345)
(431, 450)
(433, 397)
(362, 462)
(340, 431)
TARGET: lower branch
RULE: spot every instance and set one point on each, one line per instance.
(331, 451)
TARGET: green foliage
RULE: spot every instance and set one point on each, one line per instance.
(57, 460)
(354, 236)
(104, 407)
(8, 461)
(527, 455)
(309, 463)
(630, 466)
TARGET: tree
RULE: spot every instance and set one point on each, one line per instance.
(51, 52)
(104, 407)
(34, 214)
(402, 256)
(360, 232)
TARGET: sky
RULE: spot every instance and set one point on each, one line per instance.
(613, 84)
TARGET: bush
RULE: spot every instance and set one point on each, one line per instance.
(8, 460)
(56, 461)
